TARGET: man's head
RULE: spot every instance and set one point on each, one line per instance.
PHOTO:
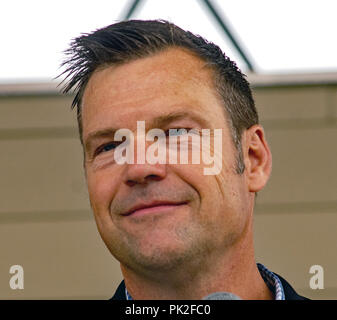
(130, 40)
(156, 72)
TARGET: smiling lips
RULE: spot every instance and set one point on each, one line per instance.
(153, 207)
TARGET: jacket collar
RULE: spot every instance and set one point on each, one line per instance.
(290, 293)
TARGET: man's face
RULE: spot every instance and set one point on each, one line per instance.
(192, 214)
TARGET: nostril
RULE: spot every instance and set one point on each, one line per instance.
(144, 173)
(131, 183)
(144, 180)
(153, 177)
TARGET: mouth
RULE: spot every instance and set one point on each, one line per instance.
(154, 207)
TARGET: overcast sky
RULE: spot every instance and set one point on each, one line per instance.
(279, 36)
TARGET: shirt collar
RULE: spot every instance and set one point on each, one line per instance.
(272, 281)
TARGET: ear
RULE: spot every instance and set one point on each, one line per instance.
(258, 159)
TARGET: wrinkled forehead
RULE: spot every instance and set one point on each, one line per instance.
(148, 85)
(175, 68)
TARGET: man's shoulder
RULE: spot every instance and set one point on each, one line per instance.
(289, 292)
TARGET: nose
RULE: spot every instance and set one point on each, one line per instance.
(144, 173)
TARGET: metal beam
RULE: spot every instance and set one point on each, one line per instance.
(131, 10)
(225, 28)
(135, 3)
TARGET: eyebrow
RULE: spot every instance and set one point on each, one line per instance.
(95, 135)
(161, 121)
(157, 122)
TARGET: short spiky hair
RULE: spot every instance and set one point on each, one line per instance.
(125, 41)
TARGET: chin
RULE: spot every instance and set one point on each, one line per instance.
(165, 256)
(160, 261)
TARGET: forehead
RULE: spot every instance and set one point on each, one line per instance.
(147, 87)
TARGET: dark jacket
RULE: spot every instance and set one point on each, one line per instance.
(290, 293)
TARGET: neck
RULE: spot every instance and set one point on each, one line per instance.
(232, 271)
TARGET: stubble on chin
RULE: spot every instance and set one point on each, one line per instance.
(186, 246)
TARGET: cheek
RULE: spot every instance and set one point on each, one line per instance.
(101, 188)
(205, 186)
(234, 202)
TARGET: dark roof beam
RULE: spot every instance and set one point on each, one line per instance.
(135, 3)
(229, 34)
(131, 9)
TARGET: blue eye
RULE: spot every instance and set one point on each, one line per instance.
(182, 131)
(107, 147)
(176, 131)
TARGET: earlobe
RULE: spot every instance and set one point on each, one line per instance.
(258, 158)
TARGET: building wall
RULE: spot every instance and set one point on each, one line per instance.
(47, 227)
